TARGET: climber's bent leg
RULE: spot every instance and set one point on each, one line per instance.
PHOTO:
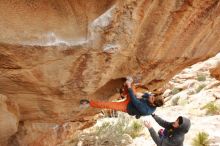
(118, 106)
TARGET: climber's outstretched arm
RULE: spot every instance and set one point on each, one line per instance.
(140, 106)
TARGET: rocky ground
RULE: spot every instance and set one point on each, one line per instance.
(187, 94)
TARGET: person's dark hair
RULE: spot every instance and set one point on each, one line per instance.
(180, 120)
(159, 101)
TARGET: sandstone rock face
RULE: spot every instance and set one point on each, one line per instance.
(36, 134)
(44, 22)
(9, 117)
(63, 51)
(215, 72)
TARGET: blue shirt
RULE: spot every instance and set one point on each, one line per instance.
(139, 107)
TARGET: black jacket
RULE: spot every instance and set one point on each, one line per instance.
(175, 137)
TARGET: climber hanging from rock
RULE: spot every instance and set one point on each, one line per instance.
(173, 134)
(133, 104)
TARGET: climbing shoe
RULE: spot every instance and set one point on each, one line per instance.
(84, 103)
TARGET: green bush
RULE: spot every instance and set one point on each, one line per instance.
(200, 88)
(135, 129)
(201, 139)
(175, 100)
(114, 131)
(175, 91)
(105, 126)
(183, 102)
(212, 108)
(201, 77)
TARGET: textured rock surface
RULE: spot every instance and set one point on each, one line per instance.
(45, 22)
(36, 134)
(9, 117)
(215, 72)
(97, 44)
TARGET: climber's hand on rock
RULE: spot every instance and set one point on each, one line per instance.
(128, 84)
(129, 81)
